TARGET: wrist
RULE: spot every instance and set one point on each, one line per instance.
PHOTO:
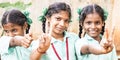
(12, 42)
(39, 51)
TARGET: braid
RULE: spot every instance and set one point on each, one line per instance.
(27, 30)
(103, 29)
(80, 30)
(43, 25)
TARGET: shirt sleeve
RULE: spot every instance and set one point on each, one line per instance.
(113, 54)
(4, 44)
(78, 45)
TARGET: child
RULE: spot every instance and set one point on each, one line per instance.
(92, 20)
(57, 44)
(15, 24)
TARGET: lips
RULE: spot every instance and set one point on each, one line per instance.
(93, 32)
(60, 29)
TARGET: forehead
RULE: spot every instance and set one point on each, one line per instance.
(9, 26)
(93, 17)
(62, 14)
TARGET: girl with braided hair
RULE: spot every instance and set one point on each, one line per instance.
(92, 46)
(56, 43)
(14, 45)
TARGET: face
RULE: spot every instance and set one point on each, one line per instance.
(93, 25)
(13, 29)
(59, 22)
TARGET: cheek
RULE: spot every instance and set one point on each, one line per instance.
(53, 24)
(101, 25)
(21, 31)
(67, 25)
(85, 27)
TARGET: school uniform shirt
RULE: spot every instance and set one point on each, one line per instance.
(12, 53)
(61, 48)
(89, 40)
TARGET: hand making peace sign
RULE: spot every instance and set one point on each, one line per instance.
(107, 41)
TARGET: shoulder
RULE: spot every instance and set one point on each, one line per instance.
(81, 41)
(71, 34)
(5, 37)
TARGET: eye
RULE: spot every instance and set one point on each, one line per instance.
(97, 23)
(58, 18)
(88, 22)
(14, 30)
(6, 31)
(67, 21)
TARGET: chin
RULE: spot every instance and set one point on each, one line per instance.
(59, 32)
(93, 35)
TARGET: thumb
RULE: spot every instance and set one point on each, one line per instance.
(31, 34)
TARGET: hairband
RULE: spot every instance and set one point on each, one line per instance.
(42, 17)
(29, 20)
(105, 14)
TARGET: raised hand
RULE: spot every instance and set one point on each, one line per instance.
(28, 40)
(44, 43)
(44, 39)
(22, 40)
(107, 41)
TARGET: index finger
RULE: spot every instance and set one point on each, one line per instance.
(112, 32)
(46, 27)
(47, 40)
(29, 36)
(106, 33)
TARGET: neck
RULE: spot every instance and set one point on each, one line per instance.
(58, 36)
(97, 38)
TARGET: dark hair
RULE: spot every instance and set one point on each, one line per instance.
(88, 10)
(56, 8)
(16, 17)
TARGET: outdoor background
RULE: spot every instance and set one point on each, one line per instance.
(35, 8)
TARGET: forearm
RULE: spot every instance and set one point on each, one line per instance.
(14, 42)
(96, 49)
(92, 49)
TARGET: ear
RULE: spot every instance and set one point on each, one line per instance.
(25, 25)
(48, 19)
(103, 24)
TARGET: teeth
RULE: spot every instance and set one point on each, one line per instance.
(93, 31)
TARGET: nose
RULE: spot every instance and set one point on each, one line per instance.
(62, 23)
(93, 25)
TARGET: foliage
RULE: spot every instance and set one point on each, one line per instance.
(18, 5)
